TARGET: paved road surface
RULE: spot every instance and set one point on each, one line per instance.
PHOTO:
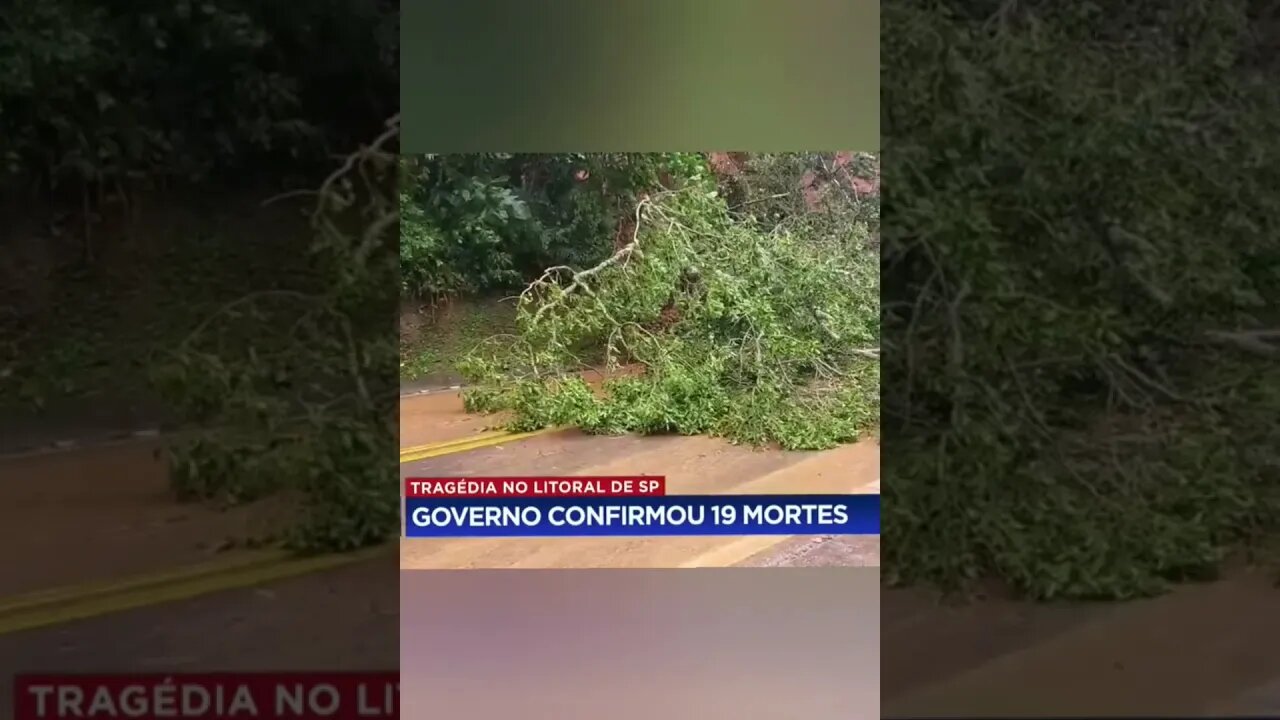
(1261, 701)
(105, 514)
(438, 417)
(346, 619)
(1198, 651)
(829, 551)
(101, 513)
(79, 421)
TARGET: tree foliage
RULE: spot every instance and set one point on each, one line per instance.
(310, 414)
(722, 327)
(94, 92)
(1082, 247)
(289, 389)
(486, 222)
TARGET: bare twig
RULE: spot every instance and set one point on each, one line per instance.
(579, 279)
(778, 196)
(240, 301)
(1253, 341)
(289, 195)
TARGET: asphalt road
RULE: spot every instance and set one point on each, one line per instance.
(1199, 651)
(102, 513)
(344, 619)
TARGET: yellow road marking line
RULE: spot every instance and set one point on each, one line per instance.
(404, 452)
(53, 607)
(489, 439)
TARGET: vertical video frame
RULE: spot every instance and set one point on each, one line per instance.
(646, 360)
(639, 444)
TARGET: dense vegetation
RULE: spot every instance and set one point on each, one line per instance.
(294, 391)
(139, 142)
(1081, 273)
(475, 224)
(130, 133)
(737, 309)
(155, 90)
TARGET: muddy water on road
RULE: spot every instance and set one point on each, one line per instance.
(97, 514)
(439, 417)
(427, 418)
(1198, 651)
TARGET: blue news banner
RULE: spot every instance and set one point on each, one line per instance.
(670, 515)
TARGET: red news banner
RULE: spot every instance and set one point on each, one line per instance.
(213, 696)
(533, 487)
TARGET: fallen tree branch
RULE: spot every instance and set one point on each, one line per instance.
(580, 278)
(1253, 341)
